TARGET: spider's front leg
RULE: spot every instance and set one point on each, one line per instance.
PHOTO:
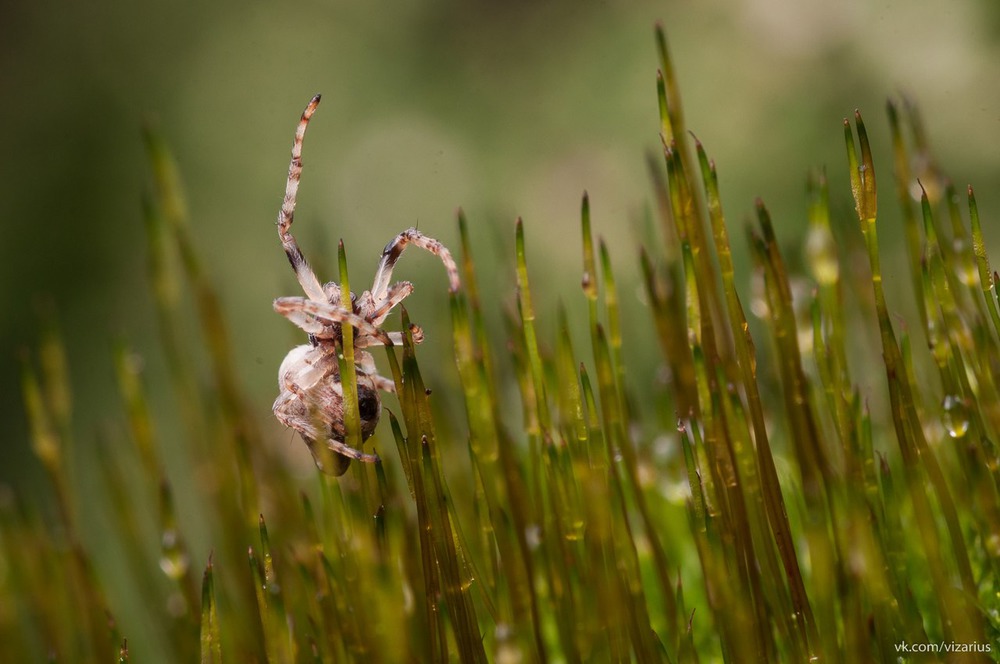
(395, 248)
(306, 277)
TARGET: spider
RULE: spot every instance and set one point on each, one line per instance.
(311, 396)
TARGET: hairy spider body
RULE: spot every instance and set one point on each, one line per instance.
(316, 411)
(311, 398)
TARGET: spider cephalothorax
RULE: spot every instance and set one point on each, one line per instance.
(311, 397)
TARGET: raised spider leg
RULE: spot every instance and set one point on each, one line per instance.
(394, 250)
(309, 315)
(307, 279)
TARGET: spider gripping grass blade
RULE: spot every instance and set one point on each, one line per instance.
(348, 368)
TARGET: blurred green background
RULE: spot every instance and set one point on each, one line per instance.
(504, 108)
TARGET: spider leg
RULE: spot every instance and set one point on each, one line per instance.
(395, 294)
(395, 337)
(394, 250)
(384, 384)
(416, 332)
(331, 292)
(310, 316)
(366, 365)
(306, 277)
(305, 365)
(312, 327)
(281, 405)
(317, 372)
(348, 451)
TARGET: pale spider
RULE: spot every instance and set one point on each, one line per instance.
(311, 398)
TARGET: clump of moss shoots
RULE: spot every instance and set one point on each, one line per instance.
(812, 528)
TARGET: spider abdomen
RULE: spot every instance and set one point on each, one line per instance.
(311, 399)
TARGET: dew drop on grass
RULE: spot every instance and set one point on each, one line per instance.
(173, 561)
(821, 249)
(964, 268)
(758, 298)
(955, 416)
(533, 536)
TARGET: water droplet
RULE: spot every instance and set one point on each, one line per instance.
(533, 536)
(964, 267)
(173, 561)
(758, 296)
(955, 415)
(821, 250)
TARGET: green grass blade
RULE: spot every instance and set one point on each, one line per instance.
(211, 643)
(346, 359)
